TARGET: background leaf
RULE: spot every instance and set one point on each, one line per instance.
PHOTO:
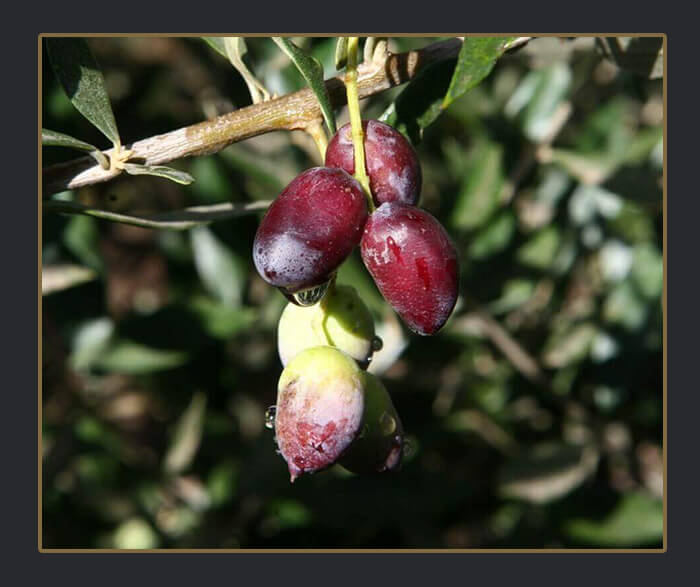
(638, 519)
(82, 80)
(219, 269)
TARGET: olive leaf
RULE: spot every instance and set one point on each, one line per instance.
(176, 220)
(59, 277)
(187, 436)
(81, 78)
(216, 43)
(51, 138)
(175, 175)
(475, 61)
(312, 70)
(419, 104)
(234, 49)
(341, 52)
(437, 86)
(637, 519)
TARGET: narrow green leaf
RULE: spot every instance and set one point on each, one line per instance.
(341, 52)
(235, 50)
(187, 436)
(216, 43)
(159, 171)
(312, 70)
(221, 272)
(475, 61)
(59, 277)
(51, 138)
(175, 220)
(480, 193)
(81, 78)
(133, 358)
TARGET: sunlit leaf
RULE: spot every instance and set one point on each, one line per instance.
(90, 340)
(59, 277)
(81, 78)
(476, 59)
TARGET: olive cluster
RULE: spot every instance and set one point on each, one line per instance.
(329, 408)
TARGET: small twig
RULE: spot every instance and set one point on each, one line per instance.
(176, 220)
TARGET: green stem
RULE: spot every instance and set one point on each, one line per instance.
(319, 136)
(356, 120)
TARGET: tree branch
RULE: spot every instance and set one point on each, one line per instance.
(294, 111)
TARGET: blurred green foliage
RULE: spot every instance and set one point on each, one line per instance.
(535, 417)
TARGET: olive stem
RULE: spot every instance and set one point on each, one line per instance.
(356, 119)
(319, 136)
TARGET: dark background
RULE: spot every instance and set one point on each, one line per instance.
(157, 373)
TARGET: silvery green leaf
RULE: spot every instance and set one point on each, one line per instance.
(51, 138)
(341, 53)
(175, 175)
(59, 277)
(235, 48)
(220, 270)
(312, 70)
(187, 436)
(216, 43)
(81, 78)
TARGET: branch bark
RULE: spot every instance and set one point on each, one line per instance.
(294, 111)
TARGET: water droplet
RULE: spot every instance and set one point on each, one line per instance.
(270, 414)
(307, 297)
(377, 344)
(387, 423)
